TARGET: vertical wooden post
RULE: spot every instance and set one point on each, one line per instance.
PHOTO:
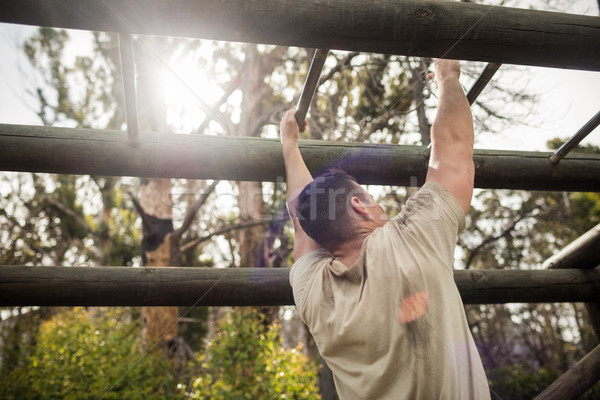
(129, 89)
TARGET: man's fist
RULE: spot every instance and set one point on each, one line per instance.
(288, 129)
(445, 69)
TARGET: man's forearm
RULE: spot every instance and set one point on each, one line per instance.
(453, 115)
(297, 174)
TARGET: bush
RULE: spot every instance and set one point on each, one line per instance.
(247, 360)
(81, 355)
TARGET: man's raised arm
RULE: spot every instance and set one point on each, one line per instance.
(451, 161)
(297, 177)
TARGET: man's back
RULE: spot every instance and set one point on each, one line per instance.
(392, 325)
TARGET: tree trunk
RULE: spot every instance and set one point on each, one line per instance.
(250, 193)
(159, 323)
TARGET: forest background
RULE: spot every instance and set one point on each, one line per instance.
(72, 78)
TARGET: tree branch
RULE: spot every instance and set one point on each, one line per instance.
(343, 63)
(69, 212)
(192, 212)
(220, 231)
(417, 77)
(146, 223)
(276, 111)
(215, 114)
(491, 239)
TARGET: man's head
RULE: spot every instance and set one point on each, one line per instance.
(334, 209)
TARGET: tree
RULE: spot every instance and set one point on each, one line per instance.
(520, 230)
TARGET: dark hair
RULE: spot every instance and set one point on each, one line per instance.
(323, 207)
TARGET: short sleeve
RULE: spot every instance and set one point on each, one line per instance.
(302, 275)
(432, 218)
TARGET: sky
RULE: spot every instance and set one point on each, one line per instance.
(567, 98)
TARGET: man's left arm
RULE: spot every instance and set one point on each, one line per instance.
(297, 177)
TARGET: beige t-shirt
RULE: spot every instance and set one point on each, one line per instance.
(392, 326)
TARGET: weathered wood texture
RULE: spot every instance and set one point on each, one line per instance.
(310, 86)
(576, 380)
(81, 151)
(584, 252)
(150, 286)
(570, 144)
(486, 76)
(429, 28)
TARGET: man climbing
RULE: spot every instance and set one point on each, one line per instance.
(378, 295)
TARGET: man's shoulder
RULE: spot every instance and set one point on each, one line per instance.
(433, 203)
(304, 270)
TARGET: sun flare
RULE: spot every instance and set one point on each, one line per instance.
(191, 91)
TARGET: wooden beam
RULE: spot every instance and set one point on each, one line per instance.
(97, 152)
(122, 286)
(581, 253)
(576, 381)
(576, 139)
(426, 28)
(129, 87)
(310, 86)
(486, 76)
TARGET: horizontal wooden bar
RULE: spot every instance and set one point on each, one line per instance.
(98, 152)
(426, 28)
(123, 286)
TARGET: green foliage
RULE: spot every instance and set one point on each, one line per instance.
(247, 360)
(518, 382)
(83, 354)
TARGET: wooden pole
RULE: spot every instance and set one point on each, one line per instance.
(129, 90)
(576, 381)
(576, 139)
(98, 152)
(582, 253)
(481, 82)
(425, 28)
(310, 86)
(176, 286)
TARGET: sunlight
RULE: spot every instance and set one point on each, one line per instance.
(190, 91)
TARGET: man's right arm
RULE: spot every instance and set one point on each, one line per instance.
(451, 161)
(297, 177)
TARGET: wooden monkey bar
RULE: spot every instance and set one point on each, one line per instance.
(576, 139)
(481, 82)
(176, 286)
(584, 252)
(424, 28)
(312, 81)
(101, 152)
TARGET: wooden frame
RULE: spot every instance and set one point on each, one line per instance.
(180, 286)
(424, 28)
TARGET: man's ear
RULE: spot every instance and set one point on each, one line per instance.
(358, 206)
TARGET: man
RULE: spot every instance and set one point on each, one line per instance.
(379, 296)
